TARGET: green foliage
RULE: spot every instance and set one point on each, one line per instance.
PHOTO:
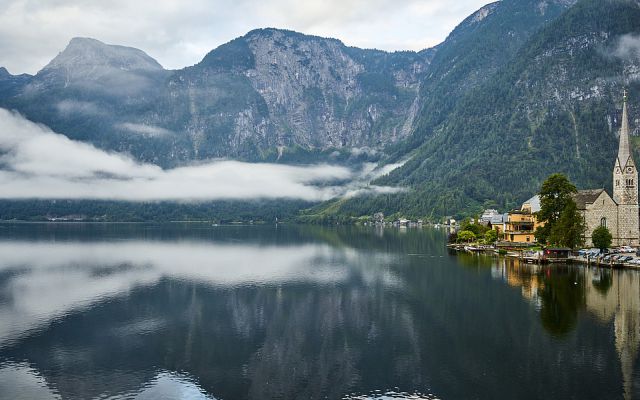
(466, 236)
(490, 236)
(563, 224)
(555, 195)
(568, 230)
(601, 237)
(477, 229)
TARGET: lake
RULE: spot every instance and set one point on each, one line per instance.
(194, 311)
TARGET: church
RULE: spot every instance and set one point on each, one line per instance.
(619, 214)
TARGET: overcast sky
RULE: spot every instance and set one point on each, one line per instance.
(180, 33)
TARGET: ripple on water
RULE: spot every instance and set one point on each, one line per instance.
(391, 394)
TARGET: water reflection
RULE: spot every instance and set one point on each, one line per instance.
(300, 312)
(562, 292)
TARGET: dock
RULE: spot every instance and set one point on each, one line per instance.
(547, 256)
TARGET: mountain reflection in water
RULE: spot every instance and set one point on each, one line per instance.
(265, 312)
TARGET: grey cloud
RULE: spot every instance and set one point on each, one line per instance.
(70, 107)
(628, 47)
(39, 163)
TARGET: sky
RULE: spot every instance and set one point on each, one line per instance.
(180, 33)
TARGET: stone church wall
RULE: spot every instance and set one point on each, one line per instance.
(603, 207)
(628, 222)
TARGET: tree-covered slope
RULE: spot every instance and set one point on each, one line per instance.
(554, 107)
(471, 55)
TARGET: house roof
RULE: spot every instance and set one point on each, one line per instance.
(534, 203)
(584, 197)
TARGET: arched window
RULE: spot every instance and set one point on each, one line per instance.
(603, 222)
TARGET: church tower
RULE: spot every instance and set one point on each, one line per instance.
(625, 186)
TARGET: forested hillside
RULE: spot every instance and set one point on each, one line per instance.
(553, 107)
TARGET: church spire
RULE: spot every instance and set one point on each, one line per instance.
(624, 150)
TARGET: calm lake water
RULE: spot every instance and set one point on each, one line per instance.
(125, 311)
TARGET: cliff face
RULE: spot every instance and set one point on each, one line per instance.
(261, 96)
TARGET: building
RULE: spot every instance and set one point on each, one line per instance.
(498, 223)
(620, 213)
(488, 215)
(520, 225)
(532, 205)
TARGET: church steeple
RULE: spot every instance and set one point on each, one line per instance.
(625, 175)
(624, 150)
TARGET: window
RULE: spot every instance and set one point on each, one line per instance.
(603, 222)
(617, 182)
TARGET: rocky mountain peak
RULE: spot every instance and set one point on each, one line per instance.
(83, 53)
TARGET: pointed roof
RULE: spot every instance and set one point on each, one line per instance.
(624, 149)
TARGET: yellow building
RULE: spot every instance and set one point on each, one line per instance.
(521, 225)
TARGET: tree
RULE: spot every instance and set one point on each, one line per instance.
(568, 230)
(491, 236)
(601, 237)
(466, 236)
(453, 237)
(555, 195)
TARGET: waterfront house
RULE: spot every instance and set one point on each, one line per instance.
(488, 214)
(520, 225)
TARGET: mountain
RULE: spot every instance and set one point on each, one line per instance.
(10, 85)
(518, 90)
(553, 107)
(271, 94)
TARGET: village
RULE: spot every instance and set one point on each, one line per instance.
(609, 226)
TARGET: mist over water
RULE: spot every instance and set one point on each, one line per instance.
(281, 312)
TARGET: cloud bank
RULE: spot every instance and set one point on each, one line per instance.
(36, 162)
